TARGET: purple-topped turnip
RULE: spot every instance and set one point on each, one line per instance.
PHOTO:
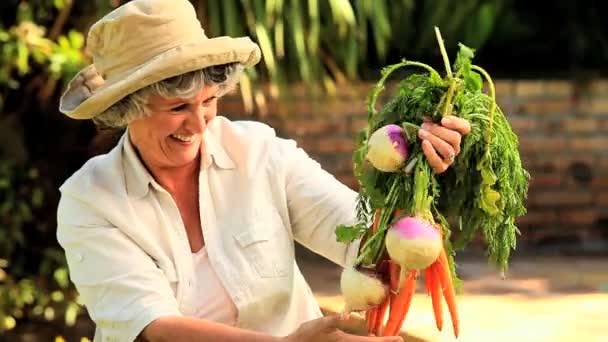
(413, 243)
(388, 148)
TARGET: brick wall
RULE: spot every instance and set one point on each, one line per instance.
(563, 130)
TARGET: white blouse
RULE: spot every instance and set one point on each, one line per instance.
(129, 256)
(211, 299)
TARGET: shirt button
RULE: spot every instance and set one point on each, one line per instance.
(79, 257)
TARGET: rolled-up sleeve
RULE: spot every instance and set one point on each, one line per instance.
(119, 284)
(317, 203)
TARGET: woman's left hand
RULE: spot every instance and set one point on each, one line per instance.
(441, 143)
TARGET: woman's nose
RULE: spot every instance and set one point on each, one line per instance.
(196, 121)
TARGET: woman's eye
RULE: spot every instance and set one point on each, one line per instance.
(209, 101)
(179, 108)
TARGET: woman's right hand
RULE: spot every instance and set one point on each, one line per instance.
(325, 329)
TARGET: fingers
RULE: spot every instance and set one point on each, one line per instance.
(344, 337)
(437, 164)
(460, 125)
(329, 323)
(445, 141)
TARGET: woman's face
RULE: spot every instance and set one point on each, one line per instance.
(172, 135)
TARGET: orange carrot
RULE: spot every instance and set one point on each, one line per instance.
(393, 272)
(376, 220)
(401, 304)
(411, 288)
(380, 316)
(445, 277)
(436, 295)
(428, 277)
(371, 320)
(370, 314)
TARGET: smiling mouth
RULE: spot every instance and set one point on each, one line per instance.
(183, 138)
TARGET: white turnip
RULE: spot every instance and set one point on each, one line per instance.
(361, 290)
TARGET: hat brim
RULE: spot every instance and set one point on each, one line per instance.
(79, 102)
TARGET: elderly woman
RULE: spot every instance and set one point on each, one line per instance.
(185, 230)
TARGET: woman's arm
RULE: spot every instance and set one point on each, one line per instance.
(177, 328)
(324, 329)
(317, 203)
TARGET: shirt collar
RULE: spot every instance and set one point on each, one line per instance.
(138, 179)
(214, 150)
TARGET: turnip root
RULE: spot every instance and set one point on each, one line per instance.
(360, 290)
(388, 148)
(413, 243)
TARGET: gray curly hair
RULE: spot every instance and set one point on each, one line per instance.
(187, 85)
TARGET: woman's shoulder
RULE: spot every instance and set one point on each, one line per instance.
(98, 174)
(243, 129)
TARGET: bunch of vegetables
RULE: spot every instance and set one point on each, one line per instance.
(411, 209)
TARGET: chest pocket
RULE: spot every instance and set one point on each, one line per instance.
(259, 248)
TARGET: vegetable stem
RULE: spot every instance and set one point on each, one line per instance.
(446, 60)
(379, 87)
(447, 105)
(374, 246)
(492, 104)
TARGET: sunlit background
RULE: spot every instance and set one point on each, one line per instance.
(320, 58)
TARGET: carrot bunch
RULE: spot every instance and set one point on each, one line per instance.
(438, 285)
(484, 190)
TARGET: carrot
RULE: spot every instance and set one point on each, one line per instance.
(435, 286)
(428, 277)
(380, 316)
(393, 270)
(445, 277)
(370, 314)
(376, 220)
(411, 288)
(371, 320)
(401, 304)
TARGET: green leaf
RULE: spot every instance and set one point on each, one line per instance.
(213, 11)
(349, 233)
(24, 12)
(57, 296)
(343, 14)
(489, 199)
(4, 36)
(473, 81)
(37, 197)
(49, 313)
(231, 18)
(266, 47)
(8, 323)
(315, 26)
(63, 43)
(61, 277)
(76, 39)
(484, 24)
(463, 57)
(21, 62)
(71, 313)
(59, 4)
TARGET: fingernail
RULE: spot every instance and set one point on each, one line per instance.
(446, 121)
(423, 134)
(426, 126)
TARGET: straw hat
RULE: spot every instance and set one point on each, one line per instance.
(143, 42)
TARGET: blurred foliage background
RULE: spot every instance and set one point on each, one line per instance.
(321, 43)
